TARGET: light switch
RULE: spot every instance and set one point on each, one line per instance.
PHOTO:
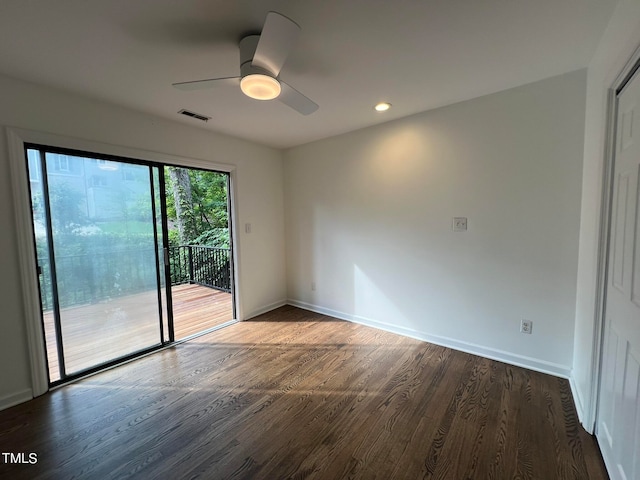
(459, 224)
(247, 228)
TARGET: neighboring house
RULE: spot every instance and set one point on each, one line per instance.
(105, 190)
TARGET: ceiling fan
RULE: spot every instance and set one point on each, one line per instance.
(261, 59)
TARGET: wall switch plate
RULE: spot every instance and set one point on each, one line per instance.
(313, 286)
(526, 326)
(459, 224)
(247, 228)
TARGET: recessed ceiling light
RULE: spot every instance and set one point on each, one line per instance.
(382, 107)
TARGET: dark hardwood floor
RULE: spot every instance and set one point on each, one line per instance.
(293, 394)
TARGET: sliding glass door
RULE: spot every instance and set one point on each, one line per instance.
(99, 244)
(131, 256)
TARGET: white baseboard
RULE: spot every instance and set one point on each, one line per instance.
(530, 363)
(15, 398)
(578, 401)
(265, 309)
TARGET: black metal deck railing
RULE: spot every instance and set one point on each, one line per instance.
(85, 278)
(208, 266)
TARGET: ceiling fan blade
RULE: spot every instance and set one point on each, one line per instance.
(294, 99)
(278, 37)
(200, 84)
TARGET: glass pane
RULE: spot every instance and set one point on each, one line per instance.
(104, 246)
(42, 251)
(199, 249)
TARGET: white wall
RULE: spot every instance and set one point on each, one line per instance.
(369, 213)
(259, 195)
(619, 41)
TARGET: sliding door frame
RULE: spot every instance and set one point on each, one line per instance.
(18, 139)
(162, 269)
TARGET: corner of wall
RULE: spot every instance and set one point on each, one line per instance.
(264, 309)
(579, 403)
(15, 398)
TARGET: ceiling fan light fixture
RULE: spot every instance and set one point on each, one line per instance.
(260, 87)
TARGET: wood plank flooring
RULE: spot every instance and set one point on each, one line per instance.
(101, 332)
(197, 308)
(294, 394)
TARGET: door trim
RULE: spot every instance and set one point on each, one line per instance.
(17, 138)
(624, 76)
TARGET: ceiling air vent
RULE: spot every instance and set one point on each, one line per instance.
(194, 115)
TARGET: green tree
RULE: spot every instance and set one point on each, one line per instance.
(185, 217)
(66, 207)
(197, 207)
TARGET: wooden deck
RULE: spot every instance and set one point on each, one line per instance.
(197, 308)
(101, 332)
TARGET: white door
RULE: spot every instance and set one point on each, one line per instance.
(618, 426)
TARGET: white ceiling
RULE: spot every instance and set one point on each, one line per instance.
(416, 54)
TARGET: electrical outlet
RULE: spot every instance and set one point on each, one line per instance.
(526, 326)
